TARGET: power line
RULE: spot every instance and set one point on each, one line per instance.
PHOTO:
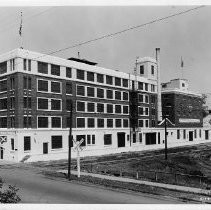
(125, 30)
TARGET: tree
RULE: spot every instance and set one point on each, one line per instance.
(9, 195)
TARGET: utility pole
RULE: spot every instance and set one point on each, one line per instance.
(166, 149)
(70, 141)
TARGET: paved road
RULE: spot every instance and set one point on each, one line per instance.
(37, 188)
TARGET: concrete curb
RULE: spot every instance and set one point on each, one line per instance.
(155, 184)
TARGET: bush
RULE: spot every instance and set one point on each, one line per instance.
(9, 195)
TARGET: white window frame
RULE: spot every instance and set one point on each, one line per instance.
(85, 93)
(1, 110)
(40, 91)
(1, 81)
(48, 104)
(60, 83)
(85, 106)
(95, 92)
(51, 122)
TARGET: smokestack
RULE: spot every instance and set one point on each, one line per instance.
(159, 105)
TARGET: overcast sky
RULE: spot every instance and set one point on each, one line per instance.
(46, 29)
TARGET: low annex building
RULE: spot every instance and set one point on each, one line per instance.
(112, 111)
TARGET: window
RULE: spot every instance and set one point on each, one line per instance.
(42, 122)
(140, 110)
(146, 111)
(12, 83)
(42, 67)
(109, 80)
(27, 122)
(118, 95)
(134, 138)
(153, 88)
(100, 107)
(24, 64)
(27, 102)
(55, 104)
(199, 133)
(55, 70)
(140, 137)
(125, 82)
(118, 109)
(90, 107)
(117, 81)
(68, 72)
(206, 134)
(80, 137)
(109, 123)
(12, 121)
(3, 122)
(42, 103)
(118, 123)
(3, 103)
(153, 99)
(93, 139)
(3, 67)
(68, 104)
(125, 96)
(140, 85)
(43, 85)
(183, 85)
(29, 83)
(68, 88)
(80, 74)
(146, 123)
(56, 142)
(178, 134)
(12, 144)
(110, 108)
(90, 122)
(153, 111)
(100, 78)
(27, 143)
(3, 85)
(140, 98)
(100, 123)
(29, 65)
(80, 106)
(141, 69)
(153, 123)
(107, 139)
(89, 138)
(90, 76)
(125, 123)
(125, 109)
(12, 64)
(152, 70)
(109, 94)
(80, 122)
(56, 122)
(80, 90)
(55, 87)
(140, 123)
(195, 134)
(184, 134)
(90, 92)
(12, 102)
(100, 93)
(146, 86)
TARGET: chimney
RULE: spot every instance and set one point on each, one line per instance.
(159, 105)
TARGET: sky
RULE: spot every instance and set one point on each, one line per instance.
(49, 28)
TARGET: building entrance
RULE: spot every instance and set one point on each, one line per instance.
(45, 148)
(150, 138)
(190, 135)
(1, 152)
(121, 139)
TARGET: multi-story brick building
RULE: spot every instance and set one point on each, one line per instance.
(112, 111)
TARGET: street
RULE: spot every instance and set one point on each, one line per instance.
(34, 187)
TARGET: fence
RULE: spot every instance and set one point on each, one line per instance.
(149, 175)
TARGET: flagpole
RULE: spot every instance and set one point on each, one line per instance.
(20, 32)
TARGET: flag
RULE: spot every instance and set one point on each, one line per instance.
(182, 63)
(20, 29)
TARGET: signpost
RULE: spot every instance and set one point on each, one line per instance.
(77, 147)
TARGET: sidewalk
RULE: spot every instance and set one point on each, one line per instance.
(155, 184)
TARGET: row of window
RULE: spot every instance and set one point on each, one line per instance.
(81, 90)
(185, 136)
(83, 106)
(82, 122)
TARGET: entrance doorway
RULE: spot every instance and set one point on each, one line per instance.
(150, 138)
(121, 139)
(190, 135)
(45, 148)
(2, 152)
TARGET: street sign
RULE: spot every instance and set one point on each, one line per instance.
(3, 139)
